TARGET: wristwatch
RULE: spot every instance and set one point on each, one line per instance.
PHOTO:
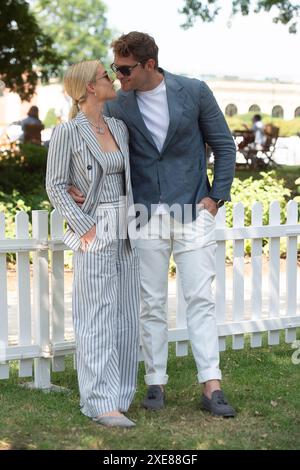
(219, 202)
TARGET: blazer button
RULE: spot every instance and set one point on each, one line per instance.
(89, 167)
(160, 159)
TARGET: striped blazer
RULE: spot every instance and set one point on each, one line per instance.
(75, 158)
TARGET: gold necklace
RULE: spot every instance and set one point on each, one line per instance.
(99, 129)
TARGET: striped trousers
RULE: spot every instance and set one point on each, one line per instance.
(106, 317)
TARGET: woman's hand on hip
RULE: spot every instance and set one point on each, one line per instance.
(76, 195)
(88, 238)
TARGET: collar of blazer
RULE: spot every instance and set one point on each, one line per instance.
(90, 139)
(175, 97)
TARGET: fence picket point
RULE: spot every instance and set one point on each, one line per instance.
(291, 270)
(4, 367)
(274, 272)
(41, 300)
(256, 275)
(23, 293)
(57, 304)
(238, 307)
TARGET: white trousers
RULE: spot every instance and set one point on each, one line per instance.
(193, 246)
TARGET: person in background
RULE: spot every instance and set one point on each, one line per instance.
(32, 127)
(254, 137)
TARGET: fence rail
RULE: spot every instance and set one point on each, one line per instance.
(41, 343)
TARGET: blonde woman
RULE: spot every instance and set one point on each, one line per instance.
(90, 151)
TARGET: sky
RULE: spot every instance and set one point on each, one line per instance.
(253, 47)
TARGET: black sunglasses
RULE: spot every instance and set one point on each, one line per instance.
(105, 75)
(124, 69)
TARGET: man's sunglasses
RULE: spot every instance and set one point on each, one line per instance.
(124, 69)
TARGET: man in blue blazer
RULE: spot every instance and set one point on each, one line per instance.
(170, 119)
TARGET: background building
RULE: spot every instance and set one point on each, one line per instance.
(271, 97)
(233, 95)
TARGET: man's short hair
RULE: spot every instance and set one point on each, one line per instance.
(140, 45)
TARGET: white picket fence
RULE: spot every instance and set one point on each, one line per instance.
(42, 340)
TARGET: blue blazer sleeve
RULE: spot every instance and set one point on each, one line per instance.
(216, 134)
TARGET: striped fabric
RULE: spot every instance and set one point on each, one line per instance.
(105, 302)
(114, 184)
(105, 316)
(75, 157)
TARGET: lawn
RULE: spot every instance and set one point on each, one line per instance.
(263, 385)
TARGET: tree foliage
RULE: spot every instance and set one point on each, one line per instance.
(26, 53)
(284, 11)
(78, 27)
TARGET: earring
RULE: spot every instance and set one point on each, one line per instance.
(95, 94)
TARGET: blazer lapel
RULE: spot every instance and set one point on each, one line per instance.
(176, 98)
(118, 136)
(123, 146)
(90, 139)
(130, 108)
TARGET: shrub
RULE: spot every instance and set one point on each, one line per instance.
(34, 157)
(50, 119)
(23, 170)
(266, 189)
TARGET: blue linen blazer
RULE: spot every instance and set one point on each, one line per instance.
(178, 174)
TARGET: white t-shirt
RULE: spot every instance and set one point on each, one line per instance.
(153, 106)
(154, 109)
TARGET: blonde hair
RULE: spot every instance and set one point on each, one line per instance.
(76, 79)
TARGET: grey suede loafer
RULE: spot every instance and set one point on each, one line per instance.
(154, 399)
(217, 405)
(114, 421)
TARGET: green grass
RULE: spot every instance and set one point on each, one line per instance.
(263, 385)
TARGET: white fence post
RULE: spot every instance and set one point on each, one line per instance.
(23, 293)
(57, 309)
(221, 276)
(256, 274)
(274, 272)
(238, 275)
(41, 300)
(291, 270)
(4, 368)
(235, 325)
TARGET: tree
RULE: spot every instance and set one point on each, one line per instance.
(286, 11)
(78, 27)
(26, 53)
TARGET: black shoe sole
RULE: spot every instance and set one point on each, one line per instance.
(221, 415)
(152, 409)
